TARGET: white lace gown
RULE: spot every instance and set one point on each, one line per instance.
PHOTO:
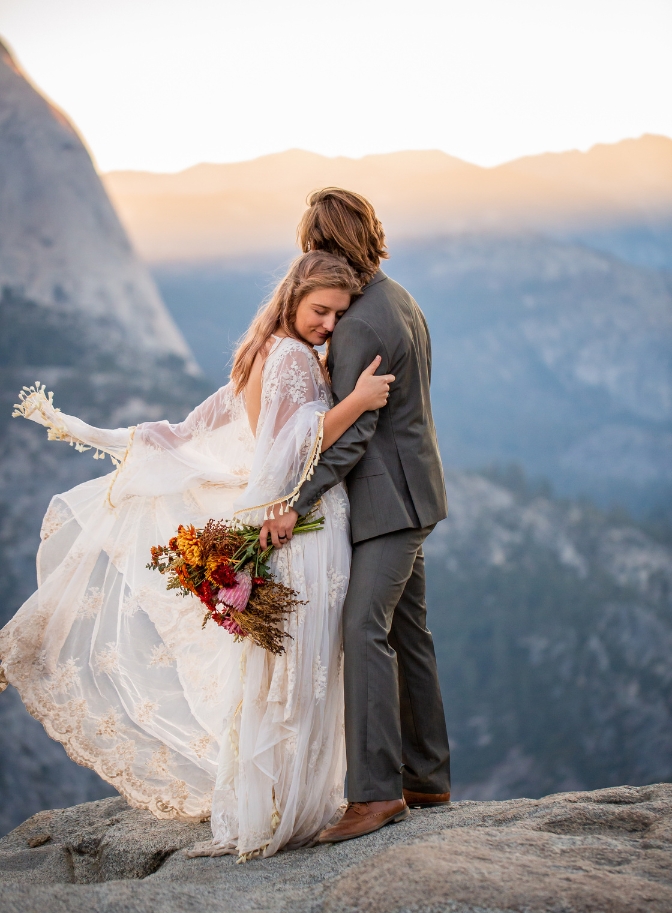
(183, 721)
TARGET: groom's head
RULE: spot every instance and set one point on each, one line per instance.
(344, 223)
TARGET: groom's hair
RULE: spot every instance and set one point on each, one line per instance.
(344, 223)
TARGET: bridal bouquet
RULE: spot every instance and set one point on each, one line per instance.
(226, 567)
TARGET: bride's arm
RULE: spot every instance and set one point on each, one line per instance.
(37, 406)
(371, 392)
(292, 426)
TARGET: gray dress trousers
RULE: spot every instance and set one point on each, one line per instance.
(394, 720)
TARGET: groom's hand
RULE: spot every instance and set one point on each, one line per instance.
(280, 530)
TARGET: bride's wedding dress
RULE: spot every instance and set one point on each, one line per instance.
(183, 721)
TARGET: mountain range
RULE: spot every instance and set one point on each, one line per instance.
(215, 211)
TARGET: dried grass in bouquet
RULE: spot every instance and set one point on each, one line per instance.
(225, 566)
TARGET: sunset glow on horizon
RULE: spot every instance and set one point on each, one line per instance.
(161, 85)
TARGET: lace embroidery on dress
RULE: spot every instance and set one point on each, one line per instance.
(74, 557)
(315, 750)
(178, 790)
(110, 725)
(161, 656)
(338, 584)
(270, 388)
(146, 598)
(65, 677)
(202, 433)
(145, 711)
(339, 506)
(159, 763)
(107, 661)
(126, 751)
(319, 680)
(91, 604)
(296, 383)
(201, 744)
(56, 517)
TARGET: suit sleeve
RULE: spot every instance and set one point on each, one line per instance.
(355, 346)
(429, 346)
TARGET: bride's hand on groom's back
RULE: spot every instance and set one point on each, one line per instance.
(373, 389)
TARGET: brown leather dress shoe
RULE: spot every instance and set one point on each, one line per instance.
(426, 800)
(362, 818)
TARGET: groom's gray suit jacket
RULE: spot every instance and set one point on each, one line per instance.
(389, 458)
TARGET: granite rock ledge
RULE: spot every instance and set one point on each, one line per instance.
(607, 851)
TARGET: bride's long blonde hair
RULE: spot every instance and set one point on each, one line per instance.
(316, 269)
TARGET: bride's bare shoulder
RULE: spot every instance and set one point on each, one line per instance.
(283, 345)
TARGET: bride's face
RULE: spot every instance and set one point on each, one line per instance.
(318, 313)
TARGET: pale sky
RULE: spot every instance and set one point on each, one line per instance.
(160, 85)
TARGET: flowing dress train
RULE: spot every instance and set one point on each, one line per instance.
(182, 720)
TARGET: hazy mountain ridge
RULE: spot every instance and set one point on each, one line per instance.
(217, 211)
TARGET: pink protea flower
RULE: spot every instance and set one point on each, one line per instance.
(229, 625)
(237, 597)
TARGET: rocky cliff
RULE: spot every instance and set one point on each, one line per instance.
(577, 852)
(79, 312)
(553, 628)
(62, 245)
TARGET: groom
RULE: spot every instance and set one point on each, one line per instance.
(395, 731)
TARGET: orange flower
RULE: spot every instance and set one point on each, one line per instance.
(187, 543)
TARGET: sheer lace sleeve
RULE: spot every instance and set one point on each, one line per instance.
(154, 458)
(37, 405)
(289, 432)
(212, 414)
(211, 445)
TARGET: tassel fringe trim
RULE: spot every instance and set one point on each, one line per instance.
(35, 399)
(276, 818)
(246, 515)
(120, 465)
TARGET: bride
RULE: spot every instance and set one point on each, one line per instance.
(183, 721)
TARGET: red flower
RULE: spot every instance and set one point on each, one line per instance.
(258, 581)
(224, 575)
(173, 543)
(205, 594)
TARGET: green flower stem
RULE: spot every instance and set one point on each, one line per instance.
(251, 550)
